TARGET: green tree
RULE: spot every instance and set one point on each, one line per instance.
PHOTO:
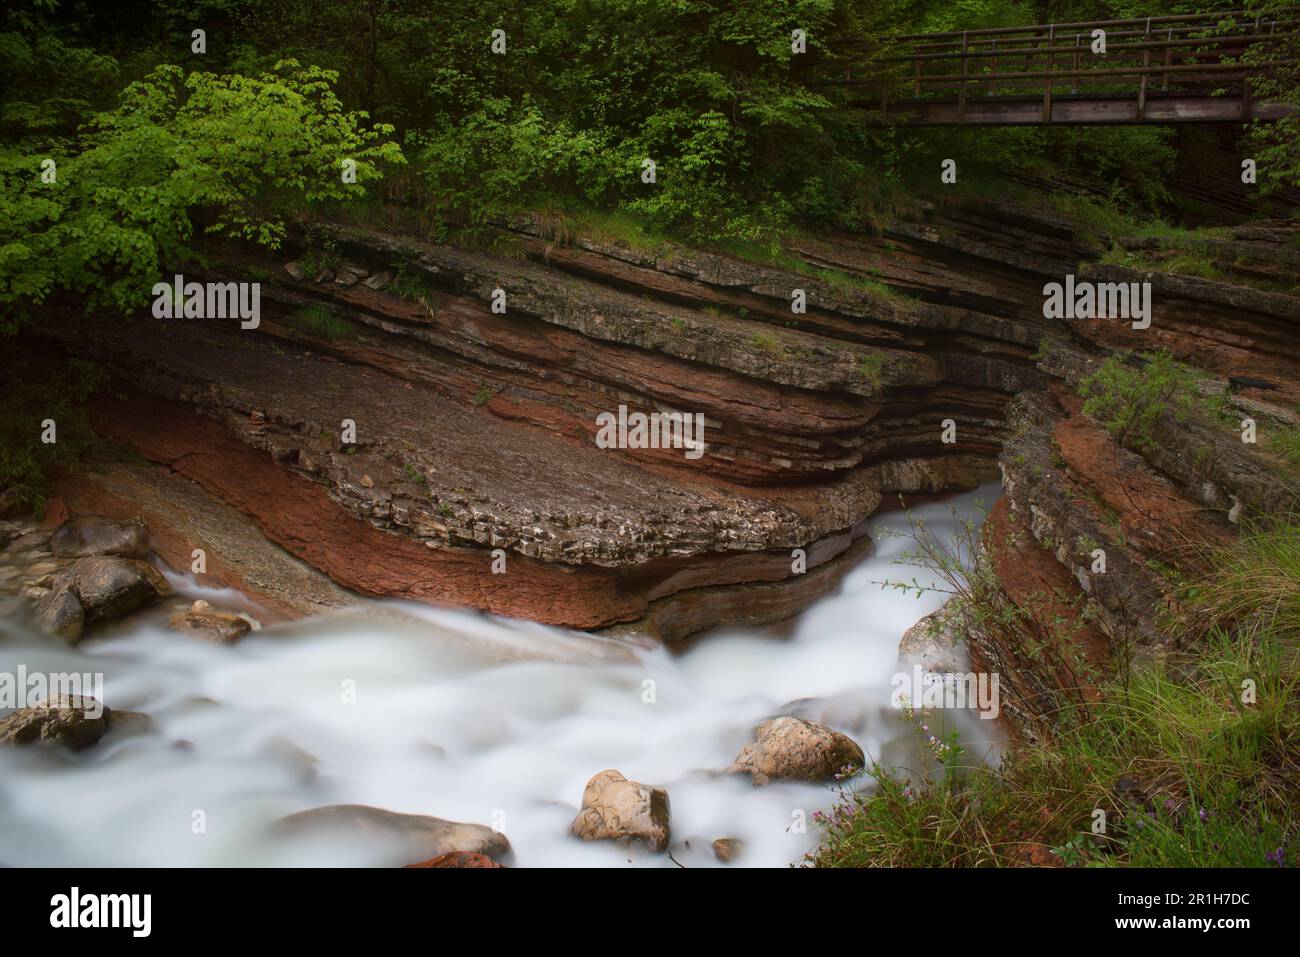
(244, 151)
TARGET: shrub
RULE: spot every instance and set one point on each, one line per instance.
(1130, 401)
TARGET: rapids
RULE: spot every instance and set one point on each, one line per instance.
(461, 716)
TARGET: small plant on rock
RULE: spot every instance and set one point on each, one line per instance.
(1131, 400)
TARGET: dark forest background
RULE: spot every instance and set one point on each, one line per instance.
(149, 137)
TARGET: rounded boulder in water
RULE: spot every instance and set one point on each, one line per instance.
(795, 749)
(616, 809)
(201, 621)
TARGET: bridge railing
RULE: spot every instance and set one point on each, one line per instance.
(1202, 52)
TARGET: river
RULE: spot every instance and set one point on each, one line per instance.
(461, 716)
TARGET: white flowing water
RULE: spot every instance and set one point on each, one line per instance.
(464, 717)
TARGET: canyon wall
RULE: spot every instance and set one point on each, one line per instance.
(474, 477)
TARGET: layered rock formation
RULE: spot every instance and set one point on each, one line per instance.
(473, 477)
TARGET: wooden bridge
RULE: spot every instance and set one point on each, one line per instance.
(1196, 68)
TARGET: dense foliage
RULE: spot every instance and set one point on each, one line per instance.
(100, 212)
(152, 127)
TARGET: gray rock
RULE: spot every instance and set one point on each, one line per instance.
(295, 271)
(109, 587)
(350, 273)
(103, 587)
(92, 535)
(60, 614)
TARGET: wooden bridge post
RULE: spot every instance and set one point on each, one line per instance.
(961, 92)
(1051, 63)
(1074, 85)
(1169, 59)
(1142, 87)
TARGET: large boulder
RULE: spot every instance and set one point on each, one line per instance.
(92, 535)
(787, 748)
(104, 587)
(73, 721)
(616, 809)
(397, 837)
(216, 626)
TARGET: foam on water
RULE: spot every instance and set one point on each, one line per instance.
(460, 716)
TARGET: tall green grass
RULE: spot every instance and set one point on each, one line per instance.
(322, 323)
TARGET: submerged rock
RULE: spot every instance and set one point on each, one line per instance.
(795, 749)
(216, 626)
(129, 723)
(935, 640)
(92, 535)
(459, 859)
(407, 837)
(616, 809)
(727, 849)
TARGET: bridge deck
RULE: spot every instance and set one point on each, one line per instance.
(1096, 109)
(1193, 68)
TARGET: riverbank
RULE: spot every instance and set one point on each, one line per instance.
(1190, 760)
